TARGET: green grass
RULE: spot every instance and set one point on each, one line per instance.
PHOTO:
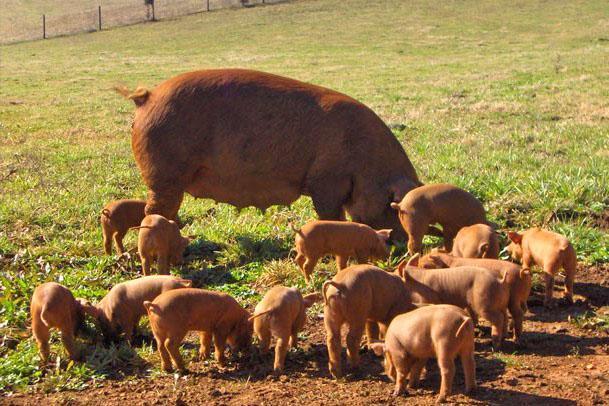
(506, 99)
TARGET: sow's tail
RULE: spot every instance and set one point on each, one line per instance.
(139, 96)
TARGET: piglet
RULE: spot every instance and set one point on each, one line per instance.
(343, 239)
(281, 314)
(213, 314)
(437, 331)
(476, 241)
(518, 280)
(161, 239)
(357, 297)
(448, 205)
(478, 290)
(121, 309)
(549, 250)
(117, 218)
(54, 306)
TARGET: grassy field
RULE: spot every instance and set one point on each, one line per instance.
(507, 99)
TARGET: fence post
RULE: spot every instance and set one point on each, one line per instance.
(207, 5)
(153, 17)
(44, 27)
(99, 15)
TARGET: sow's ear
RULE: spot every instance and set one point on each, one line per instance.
(515, 237)
(378, 348)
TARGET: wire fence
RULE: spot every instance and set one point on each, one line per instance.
(34, 27)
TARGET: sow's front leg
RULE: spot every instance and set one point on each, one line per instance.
(166, 202)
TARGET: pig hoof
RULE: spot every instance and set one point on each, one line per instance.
(441, 399)
(397, 393)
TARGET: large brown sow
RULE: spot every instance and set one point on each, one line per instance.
(251, 138)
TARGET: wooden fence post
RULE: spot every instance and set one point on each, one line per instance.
(99, 15)
(44, 27)
(207, 5)
(153, 17)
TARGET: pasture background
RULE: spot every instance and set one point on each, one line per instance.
(507, 99)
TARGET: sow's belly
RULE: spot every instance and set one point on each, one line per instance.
(260, 190)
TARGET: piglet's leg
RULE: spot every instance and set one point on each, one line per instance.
(415, 372)
(219, 346)
(205, 345)
(67, 337)
(549, 281)
(118, 241)
(469, 370)
(145, 264)
(308, 267)
(172, 345)
(163, 264)
(165, 359)
(372, 332)
(402, 364)
(447, 371)
(496, 318)
(354, 337)
(281, 348)
(341, 261)
(333, 323)
(570, 266)
(41, 334)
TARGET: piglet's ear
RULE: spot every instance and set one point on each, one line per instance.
(88, 308)
(515, 237)
(395, 206)
(384, 234)
(378, 348)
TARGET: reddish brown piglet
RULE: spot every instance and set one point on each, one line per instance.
(121, 309)
(549, 250)
(356, 297)
(160, 239)
(213, 314)
(518, 280)
(443, 332)
(117, 218)
(281, 314)
(54, 306)
(448, 205)
(476, 241)
(344, 239)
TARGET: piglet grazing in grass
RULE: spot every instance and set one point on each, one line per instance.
(281, 314)
(160, 239)
(355, 297)
(54, 306)
(448, 205)
(550, 251)
(518, 280)
(121, 309)
(117, 218)
(476, 241)
(343, 239)
(213, 314)
(437, 331)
